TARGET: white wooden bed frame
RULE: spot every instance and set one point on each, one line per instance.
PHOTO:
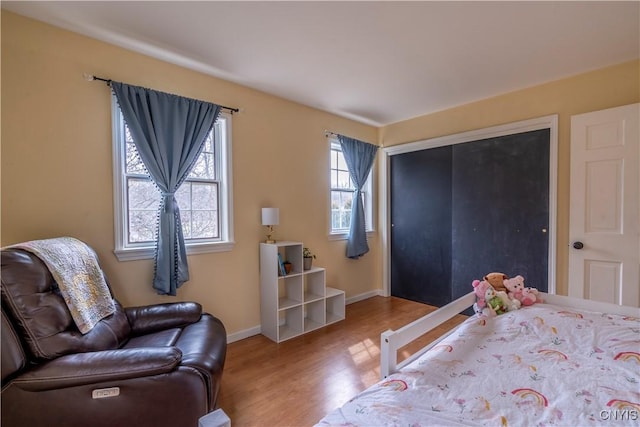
(391, 341)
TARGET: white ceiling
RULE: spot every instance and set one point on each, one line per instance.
(375, 62)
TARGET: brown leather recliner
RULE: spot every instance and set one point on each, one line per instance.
(158, 365)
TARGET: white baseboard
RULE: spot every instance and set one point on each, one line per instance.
(240, 335)
(366, 295)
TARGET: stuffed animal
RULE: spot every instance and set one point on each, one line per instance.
(530, 294)
(496, 280)
(518, 291)
(494, 302)
(485, 303)
(480, 306)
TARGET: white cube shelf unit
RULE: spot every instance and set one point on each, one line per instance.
(297, 302)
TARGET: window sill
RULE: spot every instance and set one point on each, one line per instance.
(132, 254)
(345, 236)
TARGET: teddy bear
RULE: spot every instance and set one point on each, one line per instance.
(490, 302)
(496, 280)
(517, 290)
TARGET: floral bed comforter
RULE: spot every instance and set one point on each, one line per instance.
(542, 365)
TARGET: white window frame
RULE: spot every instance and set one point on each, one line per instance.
(369, 199)
(126, 251)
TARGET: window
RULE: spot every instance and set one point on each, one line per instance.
(342, 190)
(204, 197)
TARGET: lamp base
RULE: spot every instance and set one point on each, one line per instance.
(270, 233)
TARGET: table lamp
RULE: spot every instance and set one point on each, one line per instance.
(270, 217)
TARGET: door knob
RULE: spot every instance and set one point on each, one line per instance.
(578, 245)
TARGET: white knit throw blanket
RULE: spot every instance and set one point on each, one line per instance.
(75, 268)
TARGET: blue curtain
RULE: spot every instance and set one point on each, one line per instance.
(359, 157)
(169, 132)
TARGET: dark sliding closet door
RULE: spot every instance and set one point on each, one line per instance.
(421, 252)
(460, 211)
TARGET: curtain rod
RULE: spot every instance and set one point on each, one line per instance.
(328, 133)
(90, 77)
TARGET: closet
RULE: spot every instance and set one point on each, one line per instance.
(461, 210)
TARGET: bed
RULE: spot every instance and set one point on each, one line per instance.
(565, 362)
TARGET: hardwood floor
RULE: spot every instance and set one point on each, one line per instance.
(295, 383)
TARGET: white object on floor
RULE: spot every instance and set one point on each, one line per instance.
(216, 418)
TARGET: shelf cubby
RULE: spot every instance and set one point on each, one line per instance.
(335, 302)
(314, 316)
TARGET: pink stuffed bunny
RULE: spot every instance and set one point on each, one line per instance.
(480, 288)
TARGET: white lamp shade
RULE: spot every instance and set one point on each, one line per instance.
(270, 216)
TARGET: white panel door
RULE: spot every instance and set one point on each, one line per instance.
(604, 252)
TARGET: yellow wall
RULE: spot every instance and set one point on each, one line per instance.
(592, 91)
(57, 167)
